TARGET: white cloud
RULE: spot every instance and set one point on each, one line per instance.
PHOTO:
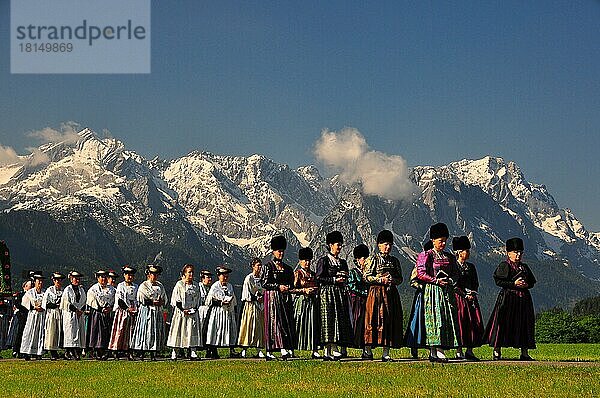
(346, 152)
(8, 156)
(67, 134)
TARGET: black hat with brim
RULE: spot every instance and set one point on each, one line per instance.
(223, 270)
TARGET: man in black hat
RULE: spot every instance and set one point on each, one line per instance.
(277, 279)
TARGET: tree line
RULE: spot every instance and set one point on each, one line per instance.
(581, 325)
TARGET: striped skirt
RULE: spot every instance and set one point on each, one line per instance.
(99, 328)
(440, 317)
(336, 327)
(470, 323)
(512, 323)
(280, 329)
(306, 313)
(122, 330)
(415, 335)
(149, 331)
(222, 328)
(383, 317)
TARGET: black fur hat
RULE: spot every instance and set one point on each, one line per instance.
(439, 230)
(334, 237)
(278, 243)
(360, 251)
(514, 245)
(460, 243)
(385, 236)
(305, 253)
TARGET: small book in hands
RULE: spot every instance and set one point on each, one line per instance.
(520, 274)
(441, 274)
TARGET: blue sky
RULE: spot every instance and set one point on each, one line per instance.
(433, 82)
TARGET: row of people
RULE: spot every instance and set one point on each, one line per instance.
(333, 307)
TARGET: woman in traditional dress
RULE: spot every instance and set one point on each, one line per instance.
(277, 279)
(306, 304)
(125, 309)
(72, 304)
(32, 343)
(222, 325)
(438, 270)
(415, 336)
(53, 328)
(17, 323)
(470, 323)
(185, 332)
(203, 311)
(332, 274)
(100, 301)
(149, 332)
(252, 322)
(359, 290)
(512, 323)
(383, 310)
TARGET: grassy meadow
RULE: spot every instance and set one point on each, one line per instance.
(561, 370)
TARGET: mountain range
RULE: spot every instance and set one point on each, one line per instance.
(96, 204)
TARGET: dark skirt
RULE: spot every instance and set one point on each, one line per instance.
(415, 335)
(100, 328)
(512, 323)
(470, 323)
(306, 313)
(336, 327)
(383, 317)
(280, 328)
(357, 304)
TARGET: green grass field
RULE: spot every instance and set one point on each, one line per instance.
(561, 370)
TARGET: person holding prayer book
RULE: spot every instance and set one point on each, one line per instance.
(437, 270)
(470, 324)
(512, 323)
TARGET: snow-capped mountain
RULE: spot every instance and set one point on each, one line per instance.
(115, 207)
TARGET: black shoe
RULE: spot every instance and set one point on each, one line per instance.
(496, 357)
(414, 353)
(234, 354)
(27, 358)
(285, 357)
(526, 358)
(366, 357)
(315, 356)
(326, 358)
(270, 358)
(433, 359)
(387, 359)
(471, 357)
